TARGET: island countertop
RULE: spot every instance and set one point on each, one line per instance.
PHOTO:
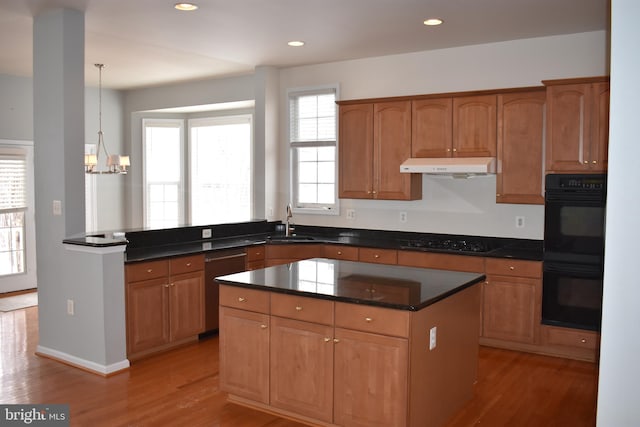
(391, 286)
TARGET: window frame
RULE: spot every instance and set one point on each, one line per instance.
(320, 209)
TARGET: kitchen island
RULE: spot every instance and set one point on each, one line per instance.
(340, 343)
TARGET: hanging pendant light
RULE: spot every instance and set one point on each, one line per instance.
(115, 163)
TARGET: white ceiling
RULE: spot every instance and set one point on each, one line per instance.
(147, 42)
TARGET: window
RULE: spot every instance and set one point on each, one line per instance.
(312, 139)
(13, 206)
(163, 183)
(220, 169)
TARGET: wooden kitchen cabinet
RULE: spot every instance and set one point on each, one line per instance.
(255, 257)
(574, 343)
(472, 264)
(521, 132)
(372, 392)
(343, 252)
(164, 304)
(474, 126)
(577, 125)
(375, 138)
(283, 254)
(432, 127)
(512, 297)
(378, 256)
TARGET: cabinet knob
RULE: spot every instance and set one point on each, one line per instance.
(455, 150)
(594, 161)
(368, 319)
(376, 256)
(448, 150)
(149, 270)
(374, 192)
(336, 340)
(263, 326)
(586, 162)
(583, 341)
(298, 308)
(339, 252)
(188, 264)
(511, 267)
(327, 339)
(166, 286)
(241, 299)
(258, 253)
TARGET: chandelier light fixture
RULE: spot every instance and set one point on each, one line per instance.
(115, 163)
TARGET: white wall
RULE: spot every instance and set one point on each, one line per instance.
(619, 369)
(453, 206)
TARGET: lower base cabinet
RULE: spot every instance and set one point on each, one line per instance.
(290, 355)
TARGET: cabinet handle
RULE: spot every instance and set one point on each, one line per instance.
(298, 308)
(166, 286)
(583, 340)
(258, 253)
(448, 150)
(594, 161)
(173, 284)
(586, 162)
(374, 192)
(455, 150)
(376, 256)
(263, 326)
(336, 340)
(149, 270)
(511, 267)
(241, 299)
(368, 319)
(188, 264)
(339, 252)
(327, 339)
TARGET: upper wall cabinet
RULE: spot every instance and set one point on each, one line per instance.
(463, 126)
(577, 125)
(521, 120)
(375, 138)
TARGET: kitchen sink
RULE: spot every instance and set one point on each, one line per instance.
(292, 238)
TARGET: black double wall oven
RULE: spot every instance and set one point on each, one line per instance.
(573, 261)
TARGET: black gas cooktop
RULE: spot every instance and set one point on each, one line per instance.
(448, 245)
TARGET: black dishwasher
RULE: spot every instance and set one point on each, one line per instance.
(218, 263)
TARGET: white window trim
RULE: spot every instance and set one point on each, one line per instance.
(292, 164)
(159, 122)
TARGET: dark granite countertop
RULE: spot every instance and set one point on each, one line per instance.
(391, 286)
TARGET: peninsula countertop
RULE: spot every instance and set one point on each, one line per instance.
(391, 286)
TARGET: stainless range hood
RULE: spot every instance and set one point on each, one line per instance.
(455, 166)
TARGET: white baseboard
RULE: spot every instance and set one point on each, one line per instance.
(86, 365)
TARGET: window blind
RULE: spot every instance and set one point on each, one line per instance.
(312, 117)
(13, 182)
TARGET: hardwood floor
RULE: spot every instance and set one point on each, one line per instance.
(180, 388)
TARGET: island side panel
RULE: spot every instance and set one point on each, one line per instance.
(442, 379)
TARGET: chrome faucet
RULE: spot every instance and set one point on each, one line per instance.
(289, 227)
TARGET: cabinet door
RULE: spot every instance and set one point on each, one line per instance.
(600, 127)
(372, 392)
(302, 368)
(186, 305)
(392, 146)
(568, 128)
(356, 151)
(432, 127)
(474, 126)
(147, 319)
(520, 143)
(244, 354)
(511, 308)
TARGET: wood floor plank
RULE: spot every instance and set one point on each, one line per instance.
(180, 388)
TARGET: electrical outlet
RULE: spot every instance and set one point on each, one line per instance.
(70, 307)
(351, 214)
(403, 217)
(519, 222)
(206, 233)
(57, 207)
(432, 338)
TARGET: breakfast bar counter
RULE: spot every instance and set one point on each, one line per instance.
(339, 343)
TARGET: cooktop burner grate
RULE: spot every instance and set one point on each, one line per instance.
(453, 245)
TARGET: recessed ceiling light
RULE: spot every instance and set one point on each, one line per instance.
(433, 21)
(186, 7)
(296, 43)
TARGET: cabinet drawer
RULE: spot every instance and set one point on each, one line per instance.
(571, 337)
(294, 251)
(302, 308)
(147, 270)
(348, 253)
(244, 299)
(255, 253)
(512, 267)
(381, 256)
(187, 264)
(377, 320)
